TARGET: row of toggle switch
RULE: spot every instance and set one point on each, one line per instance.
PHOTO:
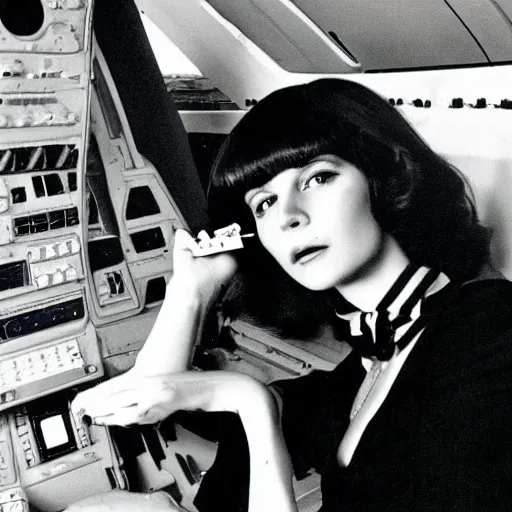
(60, 276)
(53, 251)
(7, 467)
(22, 427)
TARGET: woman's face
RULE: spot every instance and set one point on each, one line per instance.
(316, 221)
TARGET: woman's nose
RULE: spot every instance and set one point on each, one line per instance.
(291, 214)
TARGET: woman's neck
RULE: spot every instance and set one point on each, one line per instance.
(368, 289)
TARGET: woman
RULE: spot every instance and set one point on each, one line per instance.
(357, 220)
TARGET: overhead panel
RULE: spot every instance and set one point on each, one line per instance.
(505, 6)
(397, 34)
(287, 35)
(490, 22)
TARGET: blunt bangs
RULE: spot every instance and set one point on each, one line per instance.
(248, 174)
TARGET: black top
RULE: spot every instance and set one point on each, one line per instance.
(440, 441)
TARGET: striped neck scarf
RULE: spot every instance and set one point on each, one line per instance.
(401, 314)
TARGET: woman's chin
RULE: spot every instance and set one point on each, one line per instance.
(318, 284)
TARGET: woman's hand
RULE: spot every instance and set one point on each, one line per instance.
(192, 290)
(133, 398)
(203, 275)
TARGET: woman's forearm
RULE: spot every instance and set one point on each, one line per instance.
(271, 486)
(171, 341)
(271, 471)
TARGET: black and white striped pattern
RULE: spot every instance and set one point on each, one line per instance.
(400, 315)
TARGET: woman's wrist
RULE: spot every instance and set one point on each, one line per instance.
(190, 293)
(180, 290)
(170, 344)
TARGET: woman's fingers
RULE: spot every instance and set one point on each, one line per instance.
(127, 399)
(183, 241)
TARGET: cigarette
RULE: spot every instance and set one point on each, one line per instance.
(248, 235)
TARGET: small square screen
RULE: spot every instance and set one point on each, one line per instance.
(54, 431)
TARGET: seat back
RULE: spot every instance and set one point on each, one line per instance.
(478, 143)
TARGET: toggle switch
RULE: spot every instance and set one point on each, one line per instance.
(63, 248)
(58, 277)
(71, 274)
(50, 252)
(75, 246)
(43, 281)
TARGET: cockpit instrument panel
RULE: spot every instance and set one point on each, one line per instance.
(85, 237)
(47, 341)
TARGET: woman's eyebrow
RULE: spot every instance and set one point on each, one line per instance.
(251, 193)
(321, 160)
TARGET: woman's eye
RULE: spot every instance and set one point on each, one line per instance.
(319, 178)
(263, 206)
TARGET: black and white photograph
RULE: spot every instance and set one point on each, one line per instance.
(255, 255)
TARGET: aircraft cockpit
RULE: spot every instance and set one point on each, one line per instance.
(102, 158)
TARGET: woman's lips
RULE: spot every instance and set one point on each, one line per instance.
(308, 254)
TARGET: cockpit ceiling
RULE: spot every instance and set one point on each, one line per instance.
(343, 36)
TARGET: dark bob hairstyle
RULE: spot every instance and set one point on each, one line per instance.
(416, 196)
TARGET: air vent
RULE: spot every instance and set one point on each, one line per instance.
(141, 203)
(148, 240)
(39, 223)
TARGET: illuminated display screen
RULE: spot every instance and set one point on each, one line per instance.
(54, 432)
(52, 427)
